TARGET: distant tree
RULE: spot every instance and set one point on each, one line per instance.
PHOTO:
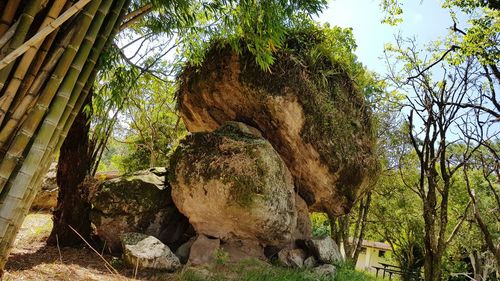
(434, 112)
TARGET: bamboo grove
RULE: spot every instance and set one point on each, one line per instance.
(48, 55)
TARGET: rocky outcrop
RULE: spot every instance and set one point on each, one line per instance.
(143, 251)
(233, 185)
(46, 198)
(318, 122)
(138, 202)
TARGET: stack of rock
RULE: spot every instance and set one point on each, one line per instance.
(264, 150)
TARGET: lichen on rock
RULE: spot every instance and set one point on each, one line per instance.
(232, 184)
(137, 202)
(308, 107)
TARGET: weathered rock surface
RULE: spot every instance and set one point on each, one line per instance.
(204, 250)
(325, 249)
(144, 251)
(310, 262)
(183, 251)
(138, 202)
(303, 231)
(325, 270)
(292, 257)
(233, 185)
(46, 198)
(240, 250)
(323, 133)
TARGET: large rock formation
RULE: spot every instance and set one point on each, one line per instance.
(233, 185)
(312, 114)
(138, 202)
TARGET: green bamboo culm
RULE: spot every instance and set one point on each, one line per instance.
(81, 89)
(31, 124)
(59, 114)
(23, 66)
(60, 102)
(25, 102)
(25, 21)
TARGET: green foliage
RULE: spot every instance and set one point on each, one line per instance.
(479, 37)
(320, 224)
(221, 256)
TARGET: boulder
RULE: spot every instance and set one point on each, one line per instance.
(325, 270)
(144, 251)
(137, 202)
(241, 250)
(292, 257)
(183, 251)
(319, 123)
(303, 231)
(325, 249)
(233, 185)
(203, 251)
(310, 262)
(46, 197)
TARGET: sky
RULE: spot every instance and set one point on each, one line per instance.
(425, 20)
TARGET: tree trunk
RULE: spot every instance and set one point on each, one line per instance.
(432, 266)
(72, 203)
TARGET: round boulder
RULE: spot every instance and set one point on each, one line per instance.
(232, 184)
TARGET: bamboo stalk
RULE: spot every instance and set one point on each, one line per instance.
(30, 194)
(29, 127)
(8, 15)
(25, 21)
(24, 105)
(23, 66)
(136, 15)
(8, 35)
(88, 74)
(37, 38)
(20, 184)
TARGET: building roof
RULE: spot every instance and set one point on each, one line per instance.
(374, 244)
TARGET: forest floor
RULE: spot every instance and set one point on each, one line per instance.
(32, 259)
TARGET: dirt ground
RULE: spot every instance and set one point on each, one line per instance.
(32, 259)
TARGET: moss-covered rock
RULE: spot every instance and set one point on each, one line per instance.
(232, 184)
(307, 106)
(137, 202)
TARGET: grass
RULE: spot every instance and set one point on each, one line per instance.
(253, 272)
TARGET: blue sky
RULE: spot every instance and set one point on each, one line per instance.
(424, 19)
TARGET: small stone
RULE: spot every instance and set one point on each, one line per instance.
(143, 251)
(310, 262)
(292, 257)
(203, 250)
(325, 249)
(183, 251)
(325, 270)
